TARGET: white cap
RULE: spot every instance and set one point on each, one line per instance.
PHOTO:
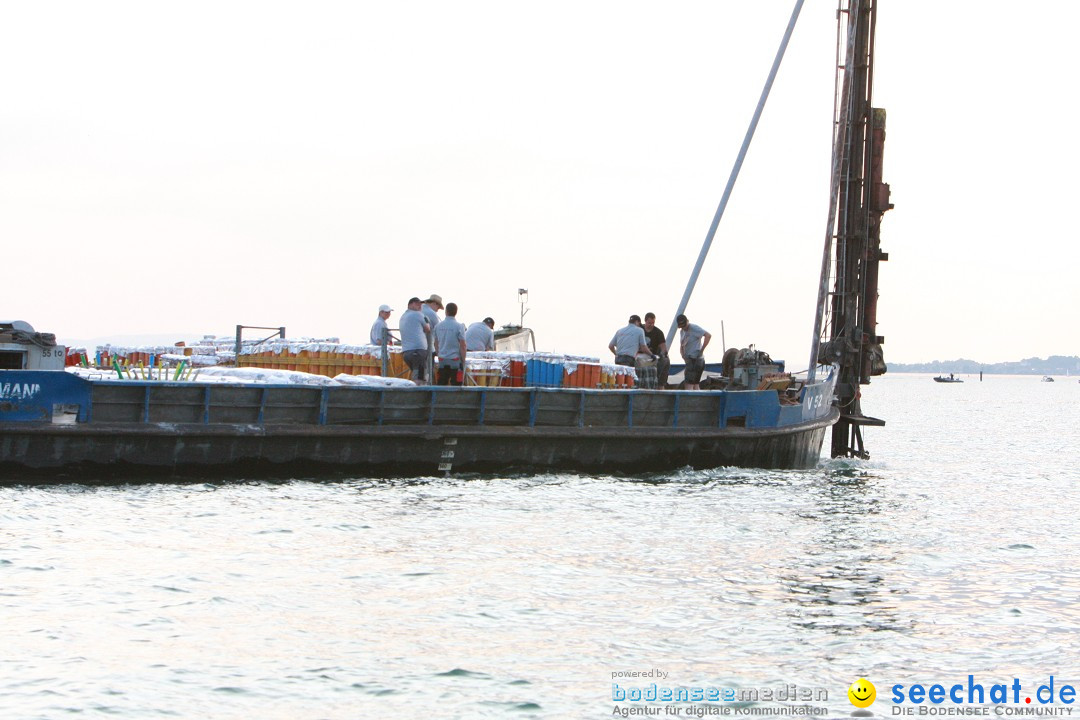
(385, 308)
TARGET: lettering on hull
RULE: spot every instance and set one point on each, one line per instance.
(19, 391)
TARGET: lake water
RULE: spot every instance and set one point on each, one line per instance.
(953, 551)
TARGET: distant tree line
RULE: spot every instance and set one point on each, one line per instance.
(1053, 365)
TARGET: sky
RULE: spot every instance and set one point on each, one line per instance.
(174, 170)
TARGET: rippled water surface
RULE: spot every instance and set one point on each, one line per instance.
(953, 551)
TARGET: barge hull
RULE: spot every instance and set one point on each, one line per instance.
(72, 453)
(64, 429)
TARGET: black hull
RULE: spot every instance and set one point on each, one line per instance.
(116, 451)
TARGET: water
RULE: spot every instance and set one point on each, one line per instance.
(951, 552)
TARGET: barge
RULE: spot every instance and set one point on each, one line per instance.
(64, 428)
(54, 424)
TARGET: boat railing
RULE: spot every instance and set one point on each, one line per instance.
(265, 405)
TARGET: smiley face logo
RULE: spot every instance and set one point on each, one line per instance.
(862, 693)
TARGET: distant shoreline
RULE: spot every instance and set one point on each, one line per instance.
(1053, 365)
(984, 372)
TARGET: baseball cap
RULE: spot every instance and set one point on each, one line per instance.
(385, 308)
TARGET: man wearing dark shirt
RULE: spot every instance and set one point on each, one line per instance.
(654, 336)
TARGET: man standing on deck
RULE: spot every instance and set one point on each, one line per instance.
(450, 344)
(480, 336)
(380, 330)
(414, 340)
(430, 309)
(628, 342)
(693, 339)
(654, 336)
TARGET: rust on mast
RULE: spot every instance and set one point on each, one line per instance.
(863, 198)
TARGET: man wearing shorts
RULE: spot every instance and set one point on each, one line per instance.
(693, 339)
(450, 344)
(628, 341)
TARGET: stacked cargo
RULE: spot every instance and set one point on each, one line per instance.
(108, 356)
(330, 358)
(76, 356)
(323, 358)
(538, 369)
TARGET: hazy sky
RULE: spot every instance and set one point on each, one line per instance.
(185, 167)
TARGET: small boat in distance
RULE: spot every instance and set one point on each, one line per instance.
(951, 379)
(1047, 378)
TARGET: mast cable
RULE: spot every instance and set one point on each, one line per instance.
(734, 172)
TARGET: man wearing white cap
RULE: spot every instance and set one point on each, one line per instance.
(380, 330)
